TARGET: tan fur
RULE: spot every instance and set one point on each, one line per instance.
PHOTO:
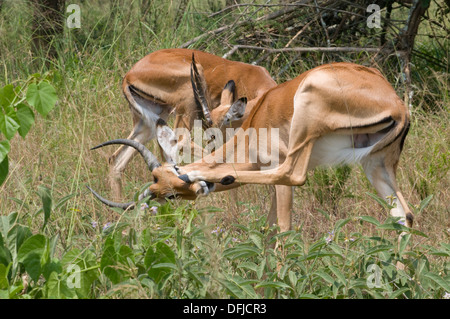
(163, 78)
(340, 98)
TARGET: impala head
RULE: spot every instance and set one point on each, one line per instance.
(169, 182)
(228, 112)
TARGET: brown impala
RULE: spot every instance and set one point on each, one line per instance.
(338, 113)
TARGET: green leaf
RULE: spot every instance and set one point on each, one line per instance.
(256, 238)
(7, 96)
(273, 284)
(162, 255)
(25, 118)
(30, 254)
(424, 203)
(322, 274)
(378, 249)
(88, 270)
(4, 149)
(42, 96)
(398, 292)
(8, 126)
(338, 274)
(57, 287)
(439, 280)
(370, 219)
(4, 168)
(403, 243)
(394, 226)
(4, 283)
(46, 198)
(380, 201)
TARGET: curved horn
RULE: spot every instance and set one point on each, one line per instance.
(150, 159)
(109, 203)
(123, 206)
(200, 94)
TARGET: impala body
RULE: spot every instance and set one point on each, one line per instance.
(339, 113)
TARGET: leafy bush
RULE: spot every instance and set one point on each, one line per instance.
(178, 255)
(17, 114)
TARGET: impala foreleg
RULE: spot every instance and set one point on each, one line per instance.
(119, 160)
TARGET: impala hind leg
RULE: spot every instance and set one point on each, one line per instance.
(382, 174)
(281, 210)
(120, 159)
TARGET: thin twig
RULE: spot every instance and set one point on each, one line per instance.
(302, 49)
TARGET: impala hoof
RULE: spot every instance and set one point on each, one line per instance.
(185, 178)
(227, 180)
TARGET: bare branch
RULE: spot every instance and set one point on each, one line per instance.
(304, 49)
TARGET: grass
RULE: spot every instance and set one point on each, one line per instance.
(91, 109)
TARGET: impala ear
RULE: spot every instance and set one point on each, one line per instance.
(228, 93)
(167, 141)
(236, 111)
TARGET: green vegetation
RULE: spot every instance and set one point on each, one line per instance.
(57, 241)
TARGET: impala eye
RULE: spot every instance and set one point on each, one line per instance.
(155, 180)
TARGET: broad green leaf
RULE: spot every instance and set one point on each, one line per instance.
(4, 168)
(25, 118)
(161, 255)
(7, 96)
(4, 149)
(30, 254)
(42, 96)
(86, 272)
(8, 126)
(256, 238)
(108, 265)
(57, 287)
(439, 280)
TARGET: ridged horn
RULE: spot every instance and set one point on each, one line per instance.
(200, 94)
(150, 159)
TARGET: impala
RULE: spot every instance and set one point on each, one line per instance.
(338, 113)
(161, 84)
